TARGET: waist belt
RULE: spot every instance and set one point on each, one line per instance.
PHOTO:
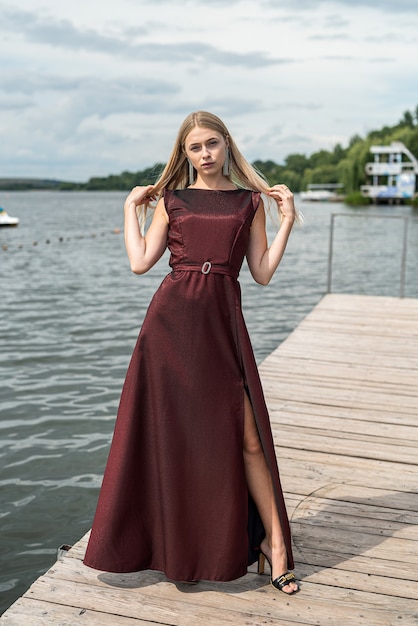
(206, 268)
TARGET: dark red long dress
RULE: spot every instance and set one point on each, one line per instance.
(174, 496)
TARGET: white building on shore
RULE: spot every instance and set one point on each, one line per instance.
(392, 175)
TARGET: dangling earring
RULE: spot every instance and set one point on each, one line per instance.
(191, 172)
(225, 169)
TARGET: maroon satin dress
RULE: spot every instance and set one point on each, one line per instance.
(174, 496)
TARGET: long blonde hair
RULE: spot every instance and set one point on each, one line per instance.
(176, 173)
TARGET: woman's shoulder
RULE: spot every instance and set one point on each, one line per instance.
(173, 198)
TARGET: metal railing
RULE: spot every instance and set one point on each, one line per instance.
(402, 271)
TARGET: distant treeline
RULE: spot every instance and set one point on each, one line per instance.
(27, 184)
(117, 182)
(340, 165)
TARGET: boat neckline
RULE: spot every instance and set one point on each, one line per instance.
(205, 189)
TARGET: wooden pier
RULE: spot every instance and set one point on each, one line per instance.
(343, 397)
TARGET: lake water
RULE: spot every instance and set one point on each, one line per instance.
(70, 313)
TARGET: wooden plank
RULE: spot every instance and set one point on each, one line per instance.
(381, 585)
(303, 477)
(334, 436)
(350, 543)
(364, 386)
(328, 395)
(313, 559)
(355, 446)
(407, 435)
(312, 354)
(27, 612)
(296, 408)
(318, 369)
(372, 519)
(333, 328)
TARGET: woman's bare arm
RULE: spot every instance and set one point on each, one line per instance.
(144, 251)
(262, 259)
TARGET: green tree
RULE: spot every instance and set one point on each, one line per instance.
(269, 169)
(407, 120)
(296, 162)
(353, 140)
(307, 178)
(318, 159)
(345, 174)
(291, 178)
(338, 153)
(324, 174)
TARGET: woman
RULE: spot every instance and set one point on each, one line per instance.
(191, 487)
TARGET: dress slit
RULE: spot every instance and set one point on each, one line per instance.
(262, 423)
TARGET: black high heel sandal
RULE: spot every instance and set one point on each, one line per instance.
(280, 581)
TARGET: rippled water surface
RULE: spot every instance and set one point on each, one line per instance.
(70, 314)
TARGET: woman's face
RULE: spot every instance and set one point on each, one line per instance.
(206, 149)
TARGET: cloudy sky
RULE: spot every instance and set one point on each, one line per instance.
(93, 87)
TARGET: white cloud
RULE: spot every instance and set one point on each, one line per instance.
(94, 88)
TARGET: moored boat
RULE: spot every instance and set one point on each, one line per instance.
(330, 192)
(6, 219)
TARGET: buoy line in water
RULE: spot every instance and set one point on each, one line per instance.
(49, 240)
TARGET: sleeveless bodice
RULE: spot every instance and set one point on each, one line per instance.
(208, 229)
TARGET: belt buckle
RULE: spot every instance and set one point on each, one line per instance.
(206, 267)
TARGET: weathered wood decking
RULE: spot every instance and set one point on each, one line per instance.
(343, 396)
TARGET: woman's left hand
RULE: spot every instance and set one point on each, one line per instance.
(285, 200)
(140, 195)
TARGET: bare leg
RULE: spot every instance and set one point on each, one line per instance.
(261, 490)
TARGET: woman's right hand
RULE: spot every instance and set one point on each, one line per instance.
(140, 195)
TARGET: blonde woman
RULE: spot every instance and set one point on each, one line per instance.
(191, 487)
